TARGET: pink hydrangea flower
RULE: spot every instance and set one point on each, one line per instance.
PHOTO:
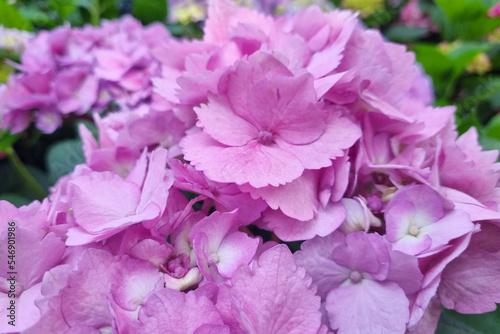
(362, 280)
(219, 248)
(418, 221)
(266, 129)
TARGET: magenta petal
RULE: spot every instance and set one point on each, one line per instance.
(323, 223)
(364, 251)
(218, 120)
(35, 255)
(85, 300)
(274, 297)
(27, 313)
(287, 106)
(171, 311)
(254, 163)
(297, 199)
(368, 307)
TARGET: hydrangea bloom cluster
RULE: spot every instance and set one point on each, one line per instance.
(73, 71)
(308, 126)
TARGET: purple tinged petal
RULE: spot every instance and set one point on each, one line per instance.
(315, 256)
(429, 321)
(469, 284)
(368, 307)
(405, 272)
(287, 106)
(365, 252)
(152, 251)
(158, 180)
(451, 226)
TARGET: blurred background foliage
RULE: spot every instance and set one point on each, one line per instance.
(457, 43)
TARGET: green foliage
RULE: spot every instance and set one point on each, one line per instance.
(455, 323)
(465, 19)
(149, 11)
(63, 156)
(446, 68)
(10, 17)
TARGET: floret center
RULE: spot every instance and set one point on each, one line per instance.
(413, 230)
(355, 276)
(265, 137)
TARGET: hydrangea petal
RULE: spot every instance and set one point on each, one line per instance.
(171, 311)
(256, 164)
(368, 307)
(274, 297)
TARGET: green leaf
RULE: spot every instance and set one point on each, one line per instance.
(489, 144)
(467, 121)
(63, 8)
(436, 64)
(148, 11)
(10, 17)
(63, 156)
(15, 199)
(492, 130)
(36, 15)
(41, 177)
(452, 322)
(466, 19)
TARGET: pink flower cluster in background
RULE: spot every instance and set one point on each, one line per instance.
(73, 71)
(311, 127)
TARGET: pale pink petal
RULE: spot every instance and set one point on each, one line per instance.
(101, 198)
(133, 281)
(236, 249)
(323, 223)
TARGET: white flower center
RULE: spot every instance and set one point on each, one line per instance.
(413, 230)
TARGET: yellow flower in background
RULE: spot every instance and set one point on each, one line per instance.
(365, 7)
(480, 64)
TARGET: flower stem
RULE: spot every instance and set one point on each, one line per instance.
(24, 174)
